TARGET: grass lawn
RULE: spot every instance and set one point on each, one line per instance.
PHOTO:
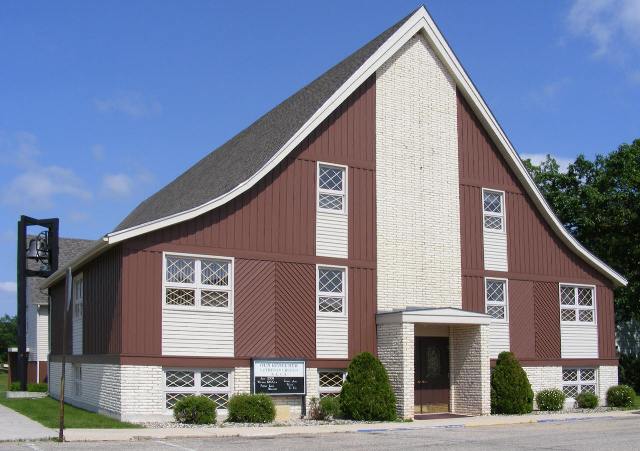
(46, 412)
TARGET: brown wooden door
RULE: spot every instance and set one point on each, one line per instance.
(431, 362)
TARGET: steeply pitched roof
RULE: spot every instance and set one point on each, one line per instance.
(241, 157)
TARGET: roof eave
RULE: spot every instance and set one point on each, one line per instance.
(92, 253)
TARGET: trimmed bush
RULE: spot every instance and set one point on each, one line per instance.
(366, 394)
(330, 407)
(15, 386)
(39, 388)
(195, 410)
(586, 400)
(246, 408)
(620, 396)
(510, 388)
(550, 399)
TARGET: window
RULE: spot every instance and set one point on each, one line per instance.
(332, 188)
(214, 384)
(331, 291)
(578, 380)
(77, 380)
(577, 304)
(191, 281)
(330, 382)
(78, 294)
(493, 210)
(496, 298)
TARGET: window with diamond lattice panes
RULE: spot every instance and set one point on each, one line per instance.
(496, 299)
(331, 291)
(493, 210)
(214, 384)
(331, 188)
(330, 382)
(198, 282)
(578, 380)
(577, 304)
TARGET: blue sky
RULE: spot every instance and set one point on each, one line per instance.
(103, 103)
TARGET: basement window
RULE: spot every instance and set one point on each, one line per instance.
(578, 380)
(330, 382)
(332, 192)
(198, 281)
(493, 210)
(577, 304)
(214, 384)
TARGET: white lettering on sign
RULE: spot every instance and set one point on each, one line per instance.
(278, 368)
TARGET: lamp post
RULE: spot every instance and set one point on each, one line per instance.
(44, 250)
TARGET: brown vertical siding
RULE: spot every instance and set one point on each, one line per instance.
(57, 295)
(521, 319)
(546, 320)
(473, 294)
(362, 311)
(606, 324)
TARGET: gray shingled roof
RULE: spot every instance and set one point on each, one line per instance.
(70, 248)
(243, 155)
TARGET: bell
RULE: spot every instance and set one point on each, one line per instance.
(32, 251)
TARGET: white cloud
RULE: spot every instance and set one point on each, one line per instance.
(537, 158)
(132, 104)
(97, 151)
(117, 184)
(19, 149)
(8, 288)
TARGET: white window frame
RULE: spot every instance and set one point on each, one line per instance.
(343, 295)
(579, 382)
(331, 391)
(506, 298)
(197, 388)
(78, 303)
(343, 192)
(577, 307)
(77, 379)
(502, 215)
(197, 286)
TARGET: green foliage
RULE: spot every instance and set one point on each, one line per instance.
(587, 400)
(367, 394)
(597, 201)
(550, 399)
(620, 396)
(8, 335)
(330, 407)
(195, 410)
(314, 409)
(246, 408)
(510, 389)
(629, 371)
(39, 388)
(15, 386)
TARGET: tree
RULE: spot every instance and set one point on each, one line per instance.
(8, 335)
(599, 203)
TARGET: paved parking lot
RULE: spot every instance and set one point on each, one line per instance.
(602, 433)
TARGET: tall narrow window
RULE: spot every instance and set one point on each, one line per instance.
(331, 291)
(78, 294)
(77, 314)
(198, 282)
(331, 188)
(577, 304)
(496, 298)
(493, 210)
(77, 379)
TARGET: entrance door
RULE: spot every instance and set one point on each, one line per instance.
(431, 362)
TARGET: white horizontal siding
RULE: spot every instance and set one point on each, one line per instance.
(77, 336)
(332, 337)
(32, 331)
(498, 338)
(495, 251)
(332, 231)
(197, 333)
(43, 334)
(579, 341)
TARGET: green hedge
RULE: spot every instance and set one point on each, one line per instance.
(550, 399)
(510, 389)
(195, 410)
(246, 408)
(326, 408)
(620, 396)
(586, 400)
(367, 394)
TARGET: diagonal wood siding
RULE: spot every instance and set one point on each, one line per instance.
(547, 320)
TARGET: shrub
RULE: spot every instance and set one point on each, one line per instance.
(620, 396)
(367, 394)
(330, 407)
(510, 389)
(40, 388)
(195, 410)
(314, 409)
(551, 399)
(586, 400)
(246, 408)
(629, 371)
(15, 386)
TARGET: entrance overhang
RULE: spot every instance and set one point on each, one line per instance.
(443, 315)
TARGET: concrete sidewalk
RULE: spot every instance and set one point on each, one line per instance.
(79, 435)
(14, 426)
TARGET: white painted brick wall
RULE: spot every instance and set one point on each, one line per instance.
(395, 351)
(242, 380)
(143, 395)
(418, 212)
(470, 369)
(542, 378)
(607, 377)
(313, 381)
